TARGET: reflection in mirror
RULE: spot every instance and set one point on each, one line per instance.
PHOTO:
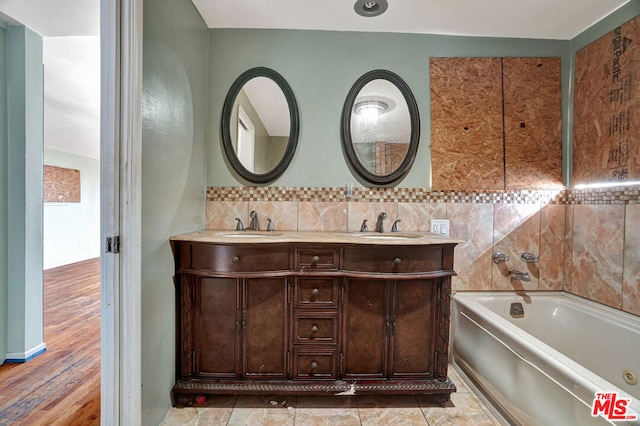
(380, 127)
(260, 125)
(260, 132)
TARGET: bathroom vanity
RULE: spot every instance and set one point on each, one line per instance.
(312, 313)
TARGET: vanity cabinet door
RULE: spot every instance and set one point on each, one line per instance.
(217, 327)
(265, 328)
(412, 328)
(366, 329)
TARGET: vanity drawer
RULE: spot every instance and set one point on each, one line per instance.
(317, 364)
(387, 259)
(316, 292)
(315, 328)
(220, 258)
(317, 258)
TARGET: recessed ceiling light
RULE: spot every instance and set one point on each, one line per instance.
(370, 109)
(370, 8)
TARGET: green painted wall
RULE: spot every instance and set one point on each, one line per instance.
(24, 174)
(175, 45)
(3, 196)
(321, 67)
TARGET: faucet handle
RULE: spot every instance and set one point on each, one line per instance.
(239, 225)
(270, 227)
(530, 257)
(500, 257)
(364, 227)
(394, 227)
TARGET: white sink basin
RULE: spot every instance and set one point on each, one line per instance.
(388, 236)
(247, 234)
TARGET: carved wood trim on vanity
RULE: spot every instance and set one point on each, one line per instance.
(303, 314)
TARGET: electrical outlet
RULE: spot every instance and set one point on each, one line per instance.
(440, 227)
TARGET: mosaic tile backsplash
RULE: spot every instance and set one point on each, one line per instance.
(587, 240)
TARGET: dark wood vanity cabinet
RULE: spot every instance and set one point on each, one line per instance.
(389, 329)
(311, 319)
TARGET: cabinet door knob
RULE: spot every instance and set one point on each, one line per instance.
(315, 292)
(397, 261)
(314, 365)
(314, 328)
(235, 259)
(315, 260)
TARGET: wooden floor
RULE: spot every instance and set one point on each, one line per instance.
(62, 385)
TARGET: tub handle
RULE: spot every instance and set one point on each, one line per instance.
(530, 257)
(500, 257)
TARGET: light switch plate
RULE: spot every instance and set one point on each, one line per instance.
(440, 227)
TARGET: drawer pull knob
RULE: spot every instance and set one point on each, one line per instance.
(235, 259)
(314, 365)
(315, 260)
(397, 261)
(314, 328)
(315, 292)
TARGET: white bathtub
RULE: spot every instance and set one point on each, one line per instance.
(546, 367)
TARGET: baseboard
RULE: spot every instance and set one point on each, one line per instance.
(19, 357)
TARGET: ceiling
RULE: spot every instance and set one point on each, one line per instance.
(546, 19)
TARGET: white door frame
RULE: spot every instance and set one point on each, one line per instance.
(121, 194)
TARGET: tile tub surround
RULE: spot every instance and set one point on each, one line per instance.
(578, 233)
(464, 409)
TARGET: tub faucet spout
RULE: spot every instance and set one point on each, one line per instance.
(519, 276)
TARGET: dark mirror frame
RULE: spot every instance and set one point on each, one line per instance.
(294, 120)
(345, 128)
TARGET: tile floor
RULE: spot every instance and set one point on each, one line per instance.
(463, 409)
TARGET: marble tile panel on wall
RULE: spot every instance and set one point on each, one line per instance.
(359, 211)
(417, 216)
(568, 247)
(472, 223)
(284, 214)
(222, 214)
(631, 283)
(322, 216)
(516, 229)
(552, 235)
(597, 257)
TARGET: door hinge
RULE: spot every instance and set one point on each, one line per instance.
(113, 244)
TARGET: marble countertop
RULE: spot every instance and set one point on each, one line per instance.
(262, 237)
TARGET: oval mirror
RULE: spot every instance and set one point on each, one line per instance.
(260, 125)
(380, 127)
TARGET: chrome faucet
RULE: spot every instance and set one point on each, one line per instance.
(380, 223)
(519, 276)
(254, 225)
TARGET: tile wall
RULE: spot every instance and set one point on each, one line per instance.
(588, 241)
